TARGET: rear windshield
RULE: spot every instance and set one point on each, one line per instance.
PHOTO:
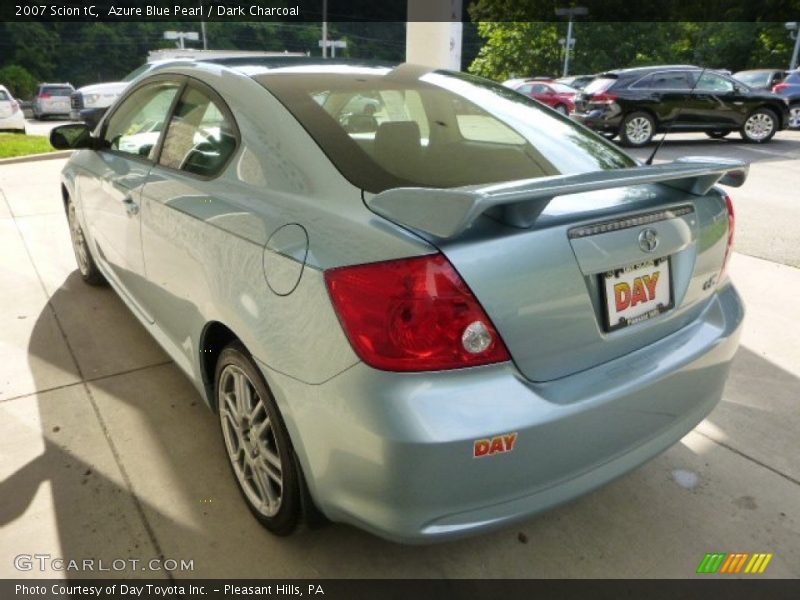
(599, 85)
(57, 91)
(387, 128)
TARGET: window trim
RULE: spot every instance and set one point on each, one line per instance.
(180, 80)
(634, 86)
(214, 96)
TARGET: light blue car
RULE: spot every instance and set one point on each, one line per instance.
(429, 319)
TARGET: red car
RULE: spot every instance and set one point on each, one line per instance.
(556, 95)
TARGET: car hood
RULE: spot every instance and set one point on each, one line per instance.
(114, 87)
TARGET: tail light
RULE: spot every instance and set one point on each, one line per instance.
(44, 96)
(731, 230)
(779, 87)
(413, 314)
(603, 98)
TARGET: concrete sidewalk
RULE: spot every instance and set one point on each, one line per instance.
(107, 452)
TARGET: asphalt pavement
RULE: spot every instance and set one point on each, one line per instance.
(107, 451)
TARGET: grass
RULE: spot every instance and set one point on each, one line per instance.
(14, 144)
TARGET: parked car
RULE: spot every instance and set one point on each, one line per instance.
(11, 117)
(383, 319)
(637, 103)
(577, 82)
(555, 95)
(789, 89)
(761, 79)
(52, 99)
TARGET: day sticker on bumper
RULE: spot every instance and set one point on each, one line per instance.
(496, 445)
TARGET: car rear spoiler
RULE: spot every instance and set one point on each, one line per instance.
(446, 213)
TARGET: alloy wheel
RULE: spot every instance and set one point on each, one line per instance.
(794, 117)
(250, 441)
(78, 241)
(639, 130)
(759, 126)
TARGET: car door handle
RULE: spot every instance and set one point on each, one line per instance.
(130, 206)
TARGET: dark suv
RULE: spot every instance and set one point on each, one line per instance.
(789, 89)
(637, 103)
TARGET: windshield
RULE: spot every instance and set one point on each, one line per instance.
(754, 79)
(387, 128)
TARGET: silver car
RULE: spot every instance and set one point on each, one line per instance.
(459, 312)
(52, 99)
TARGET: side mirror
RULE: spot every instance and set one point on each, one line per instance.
(71, 137)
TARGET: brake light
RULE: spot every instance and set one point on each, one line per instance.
(779, 87)
(44, 96)
(414, 314)
(731, 230)
(603, 98)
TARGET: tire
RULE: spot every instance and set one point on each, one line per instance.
(718, 135)
(257, 444)
(760, 126)
(637, 130)
(83, 255)
(562, 109)
(794, 116)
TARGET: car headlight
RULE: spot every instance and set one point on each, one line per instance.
(90, 98)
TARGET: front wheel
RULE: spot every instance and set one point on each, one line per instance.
(86, 265)
(637, 129)
(794, 116)
(256, 442)
(718, 135)
(760, 126)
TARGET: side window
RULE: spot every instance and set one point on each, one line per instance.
(670, 80)
(525, 89)
(644, 83)
(540, 88)
(136, 125)
(200, 138)
(710, 82)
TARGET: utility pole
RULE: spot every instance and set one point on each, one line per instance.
(324, 28)
(575, 11)
(794, 33)
(203, 28)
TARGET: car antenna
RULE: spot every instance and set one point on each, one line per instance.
(677, 114)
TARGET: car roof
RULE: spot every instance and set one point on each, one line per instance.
(649, 69)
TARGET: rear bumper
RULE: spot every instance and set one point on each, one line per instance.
(598, 120)
(14, 122)
(393, 453)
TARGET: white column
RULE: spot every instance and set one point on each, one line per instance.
(433, 33)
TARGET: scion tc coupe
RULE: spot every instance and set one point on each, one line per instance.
(421, 303)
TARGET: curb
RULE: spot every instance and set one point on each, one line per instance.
(36, 157)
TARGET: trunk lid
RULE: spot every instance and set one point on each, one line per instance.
(542, 279)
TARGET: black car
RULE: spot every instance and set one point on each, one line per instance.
(637, 103)
(789, 89)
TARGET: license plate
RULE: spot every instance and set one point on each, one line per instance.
(637, 293)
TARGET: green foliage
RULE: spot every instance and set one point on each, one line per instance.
(18, 80)
(526, 49)
(14, 144)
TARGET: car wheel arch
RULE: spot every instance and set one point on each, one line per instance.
(214, 337)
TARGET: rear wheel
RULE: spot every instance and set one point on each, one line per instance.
(256, 442)
(760, 126)
(718, 135)
(562, 109)
(86, 265)
(637, 129)
(794, 116)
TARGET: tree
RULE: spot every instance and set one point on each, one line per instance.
(18, 80)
